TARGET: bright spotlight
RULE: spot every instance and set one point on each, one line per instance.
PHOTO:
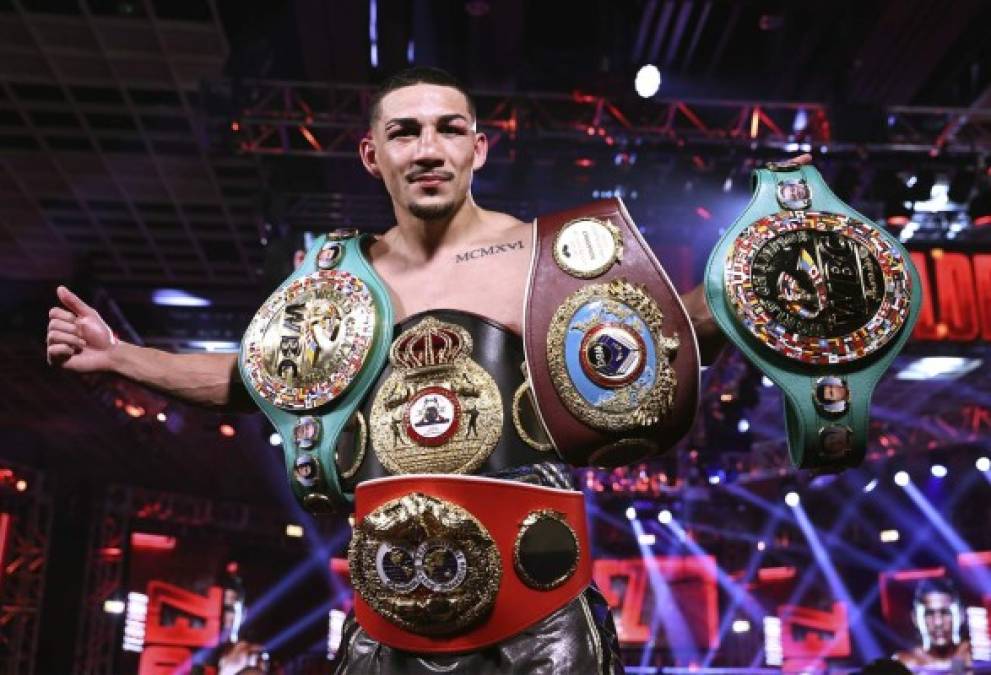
(647, 539)
(761, 545)
(792, 499)
(113, 606)
(743, 426)
(741, 626)
(714, 479)
(631, 513)
(648, 80)
(901, 478)
(161, 417)
(664, 517)
(275, 439)
(871, 484)
(889, 536)
(227, 430)
(938, 471)
(294, 530)
(983, 464)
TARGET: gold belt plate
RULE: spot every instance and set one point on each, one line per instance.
(438, 411)
(310, 339)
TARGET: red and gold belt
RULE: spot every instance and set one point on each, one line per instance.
(447, 563)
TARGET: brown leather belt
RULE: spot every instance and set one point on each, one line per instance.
(444, 564)
(611, 354)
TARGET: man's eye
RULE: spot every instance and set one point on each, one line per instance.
(402, 132)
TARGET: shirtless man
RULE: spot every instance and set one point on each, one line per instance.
(424, 146)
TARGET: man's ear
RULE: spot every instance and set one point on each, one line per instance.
(366, 150)
(481, 151)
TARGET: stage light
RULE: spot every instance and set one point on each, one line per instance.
(113, 606)
(134, 410)
(938, 368)
(889, 536)
(631, 513)
(646, 539)
(214, 346)
(173, 297)
(741, 626)
(871, 484)
(983, 464)
(902, 479)
(792, 499)
(648, 80)
(801, 120)
(743, 426)
(714, 479)
(161, 417)
(938, 471)
(293, 530)
(227, 430)
(274, 438)
(21, 485)
(761, 545)
(664, 517)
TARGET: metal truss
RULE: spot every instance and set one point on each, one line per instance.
(271, 117)
(124, 509)
(25, 551)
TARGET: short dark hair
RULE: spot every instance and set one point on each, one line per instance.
(416, 75)
(935, 585)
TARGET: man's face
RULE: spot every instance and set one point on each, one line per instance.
(424, 147)
(834, 392)
(938, 618)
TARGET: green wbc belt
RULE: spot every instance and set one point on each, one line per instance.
(821, 300)
(309, 357)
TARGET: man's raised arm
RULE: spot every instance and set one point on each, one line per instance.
(79, 340)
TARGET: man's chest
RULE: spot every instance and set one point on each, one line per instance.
(491, 284)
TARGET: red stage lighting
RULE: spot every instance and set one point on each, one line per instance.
(227, 430)
(152, 542)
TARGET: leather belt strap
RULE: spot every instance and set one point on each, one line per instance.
(503, 510)
(551, 284)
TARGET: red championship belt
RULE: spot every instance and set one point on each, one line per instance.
(444, 564)
(611, 354)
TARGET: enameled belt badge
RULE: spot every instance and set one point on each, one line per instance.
(438, 411)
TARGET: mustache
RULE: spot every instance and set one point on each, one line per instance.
(416, 175)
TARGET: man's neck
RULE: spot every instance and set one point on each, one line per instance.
(420, 240)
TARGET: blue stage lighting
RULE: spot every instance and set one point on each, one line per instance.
(871, 484)
(664, 517)
(938, 470)
(983, 464)
(631, 513)
(648, 80)
(902, 479)
(792, 499)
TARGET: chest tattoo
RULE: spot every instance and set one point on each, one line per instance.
(485, 251)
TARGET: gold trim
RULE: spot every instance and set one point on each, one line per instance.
(787, 165)
(532, 519)
(409, 521)
(617, 414)
(617, 252)
(360, 446)
(521, 391)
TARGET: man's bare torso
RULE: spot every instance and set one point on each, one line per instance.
(485, 275)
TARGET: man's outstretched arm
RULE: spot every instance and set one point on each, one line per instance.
(79, 340)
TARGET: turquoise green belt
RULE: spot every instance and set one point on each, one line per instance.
(311, 354)
(821, 300)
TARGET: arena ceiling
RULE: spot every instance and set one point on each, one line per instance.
(121, 172)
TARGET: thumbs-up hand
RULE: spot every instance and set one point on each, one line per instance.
(78, 338)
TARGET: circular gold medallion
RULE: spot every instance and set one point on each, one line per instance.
(587, 247)
(425, 564)
(309, 340)
(438, 411)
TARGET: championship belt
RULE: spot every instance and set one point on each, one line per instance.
(444, 564)
(451, 400)
(611, 355)
(309, 356)
(821, 300)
